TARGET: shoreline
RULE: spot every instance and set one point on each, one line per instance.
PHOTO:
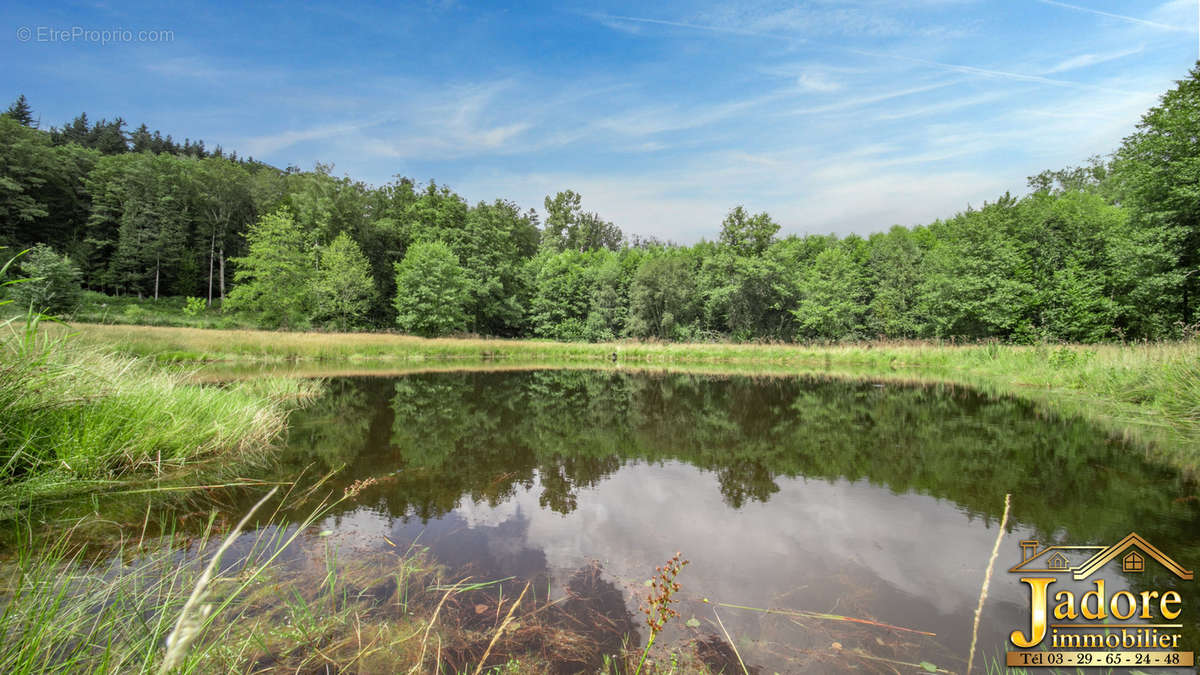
(1146, 393)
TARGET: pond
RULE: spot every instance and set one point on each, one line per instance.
(863, 513)
(810, 495)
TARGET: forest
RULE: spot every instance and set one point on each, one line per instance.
(1107, 251)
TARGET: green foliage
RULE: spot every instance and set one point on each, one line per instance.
(431, 291)
(75, 416)
(344, 289)
(495, 242)
(98, 308)
(747, 234)
(51, 282)
(41, 187)
(275, 276)
(609, 307)
(154, 221)
(662, 299)
(1158, 176)
(832, 297)
(977, 283)
(748, 296)
(21, 112)
(895, 263)
(1094, 178)
(568, 228)
(194, 306)
(223, 198)
(566, 285)
(23, 172)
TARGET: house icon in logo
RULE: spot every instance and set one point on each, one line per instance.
(1083, 561)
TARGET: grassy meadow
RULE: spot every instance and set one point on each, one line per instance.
(1146, 392)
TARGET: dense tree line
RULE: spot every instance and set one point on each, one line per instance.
(1101, 252)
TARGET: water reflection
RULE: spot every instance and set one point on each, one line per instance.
(437, 438)
(837, 496)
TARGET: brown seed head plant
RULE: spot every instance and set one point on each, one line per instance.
(657, 606)
(351, 491)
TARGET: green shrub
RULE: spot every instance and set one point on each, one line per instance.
(135, 314)
(51, 285)
(193, 306)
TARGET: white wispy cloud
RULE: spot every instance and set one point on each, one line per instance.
(458, 122)
(657, 119)
(797, 24)
(614, 21)
(271, 143)
(196, 67)
(817, 81)
(860, 101)
(770, 27)
(1085, 60)
(1119, 17)
(450, 122)
(619, 24)
(942, 107)
(807, 20)
(991, 72)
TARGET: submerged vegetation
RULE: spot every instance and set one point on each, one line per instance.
(283, 600)
(289, 602)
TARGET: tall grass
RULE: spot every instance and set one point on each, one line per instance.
(170, 606)
(75, 417)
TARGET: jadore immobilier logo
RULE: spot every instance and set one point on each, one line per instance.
(1083, 623)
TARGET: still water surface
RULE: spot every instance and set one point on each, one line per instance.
(860, 499)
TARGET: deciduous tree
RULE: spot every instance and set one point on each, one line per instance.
(431, 290)
(274, 278)
(344, 288)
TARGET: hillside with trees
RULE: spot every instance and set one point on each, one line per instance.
(1107, 251)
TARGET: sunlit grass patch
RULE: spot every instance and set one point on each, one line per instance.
(76, 416)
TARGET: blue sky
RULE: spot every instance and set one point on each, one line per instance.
(846, 116)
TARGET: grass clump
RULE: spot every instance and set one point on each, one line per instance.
(77, 417)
